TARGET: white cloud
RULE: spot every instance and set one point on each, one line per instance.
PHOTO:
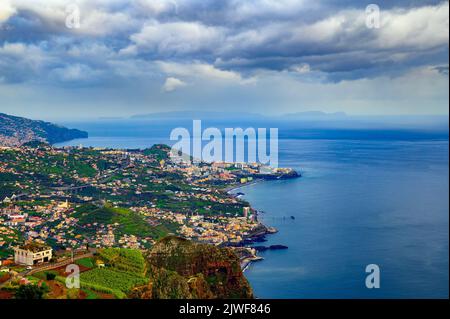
(97, 17)
(345, 31)
(287, 45)
(76, 72)
(25, 54)
(49, 11)
(245, 10)
(174, 38)
(172, 84)
(199, 70)
(91, 51)
(189, 31)
(156, 7)
(6, 10)
(99, 23)
(301, 68)
(421, 28)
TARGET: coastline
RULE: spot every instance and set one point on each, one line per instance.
(258, 233)
(234, 187)
(254, 237)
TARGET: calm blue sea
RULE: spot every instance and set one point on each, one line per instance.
(366, 198)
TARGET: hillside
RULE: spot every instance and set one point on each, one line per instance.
(182, 269)
(174, 268)
(130, 222)
(15, 131)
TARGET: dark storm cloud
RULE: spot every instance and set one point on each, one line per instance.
(329, 38)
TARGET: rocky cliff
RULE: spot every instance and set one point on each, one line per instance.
(182, 269)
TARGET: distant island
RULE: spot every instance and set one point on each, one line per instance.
(16, 131)
(188, 115)
(183, 115)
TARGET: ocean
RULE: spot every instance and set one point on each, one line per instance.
(364, 198)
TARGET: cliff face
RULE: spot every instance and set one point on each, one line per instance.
(15, 131)
(184, 269)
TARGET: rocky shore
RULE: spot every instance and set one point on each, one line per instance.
(247, 252)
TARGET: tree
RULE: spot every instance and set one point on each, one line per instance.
(30, 292)
(50, 276)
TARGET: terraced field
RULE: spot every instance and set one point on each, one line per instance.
(125, 269)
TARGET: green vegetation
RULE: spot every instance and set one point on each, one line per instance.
(8, 177)
(126, 269)
(6, 252)
(113, 279)
(102, 289)
(90, 294)
(50, 276)
(85, 262)
(8, 190)
(31, 292)
(158, 151)
(126, 199)
(202, 207)
(33, 132)
(34, 280)
(184, 269)
(128, 260)
(72, 293)
(44, 275)
(130, 222)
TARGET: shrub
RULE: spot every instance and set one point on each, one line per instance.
(50, 276)
(30, 292)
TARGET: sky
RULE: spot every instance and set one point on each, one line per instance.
(69, 59)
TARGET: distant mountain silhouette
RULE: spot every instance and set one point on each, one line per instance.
(199, 115)
(309, 115)
(315, 115)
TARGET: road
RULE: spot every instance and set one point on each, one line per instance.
(58, 264)
(45, 267)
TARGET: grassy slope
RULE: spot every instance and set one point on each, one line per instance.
(131, 223)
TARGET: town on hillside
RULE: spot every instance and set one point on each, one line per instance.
(60, 205)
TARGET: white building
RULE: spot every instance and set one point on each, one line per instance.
(246, 212)
(32, 254)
